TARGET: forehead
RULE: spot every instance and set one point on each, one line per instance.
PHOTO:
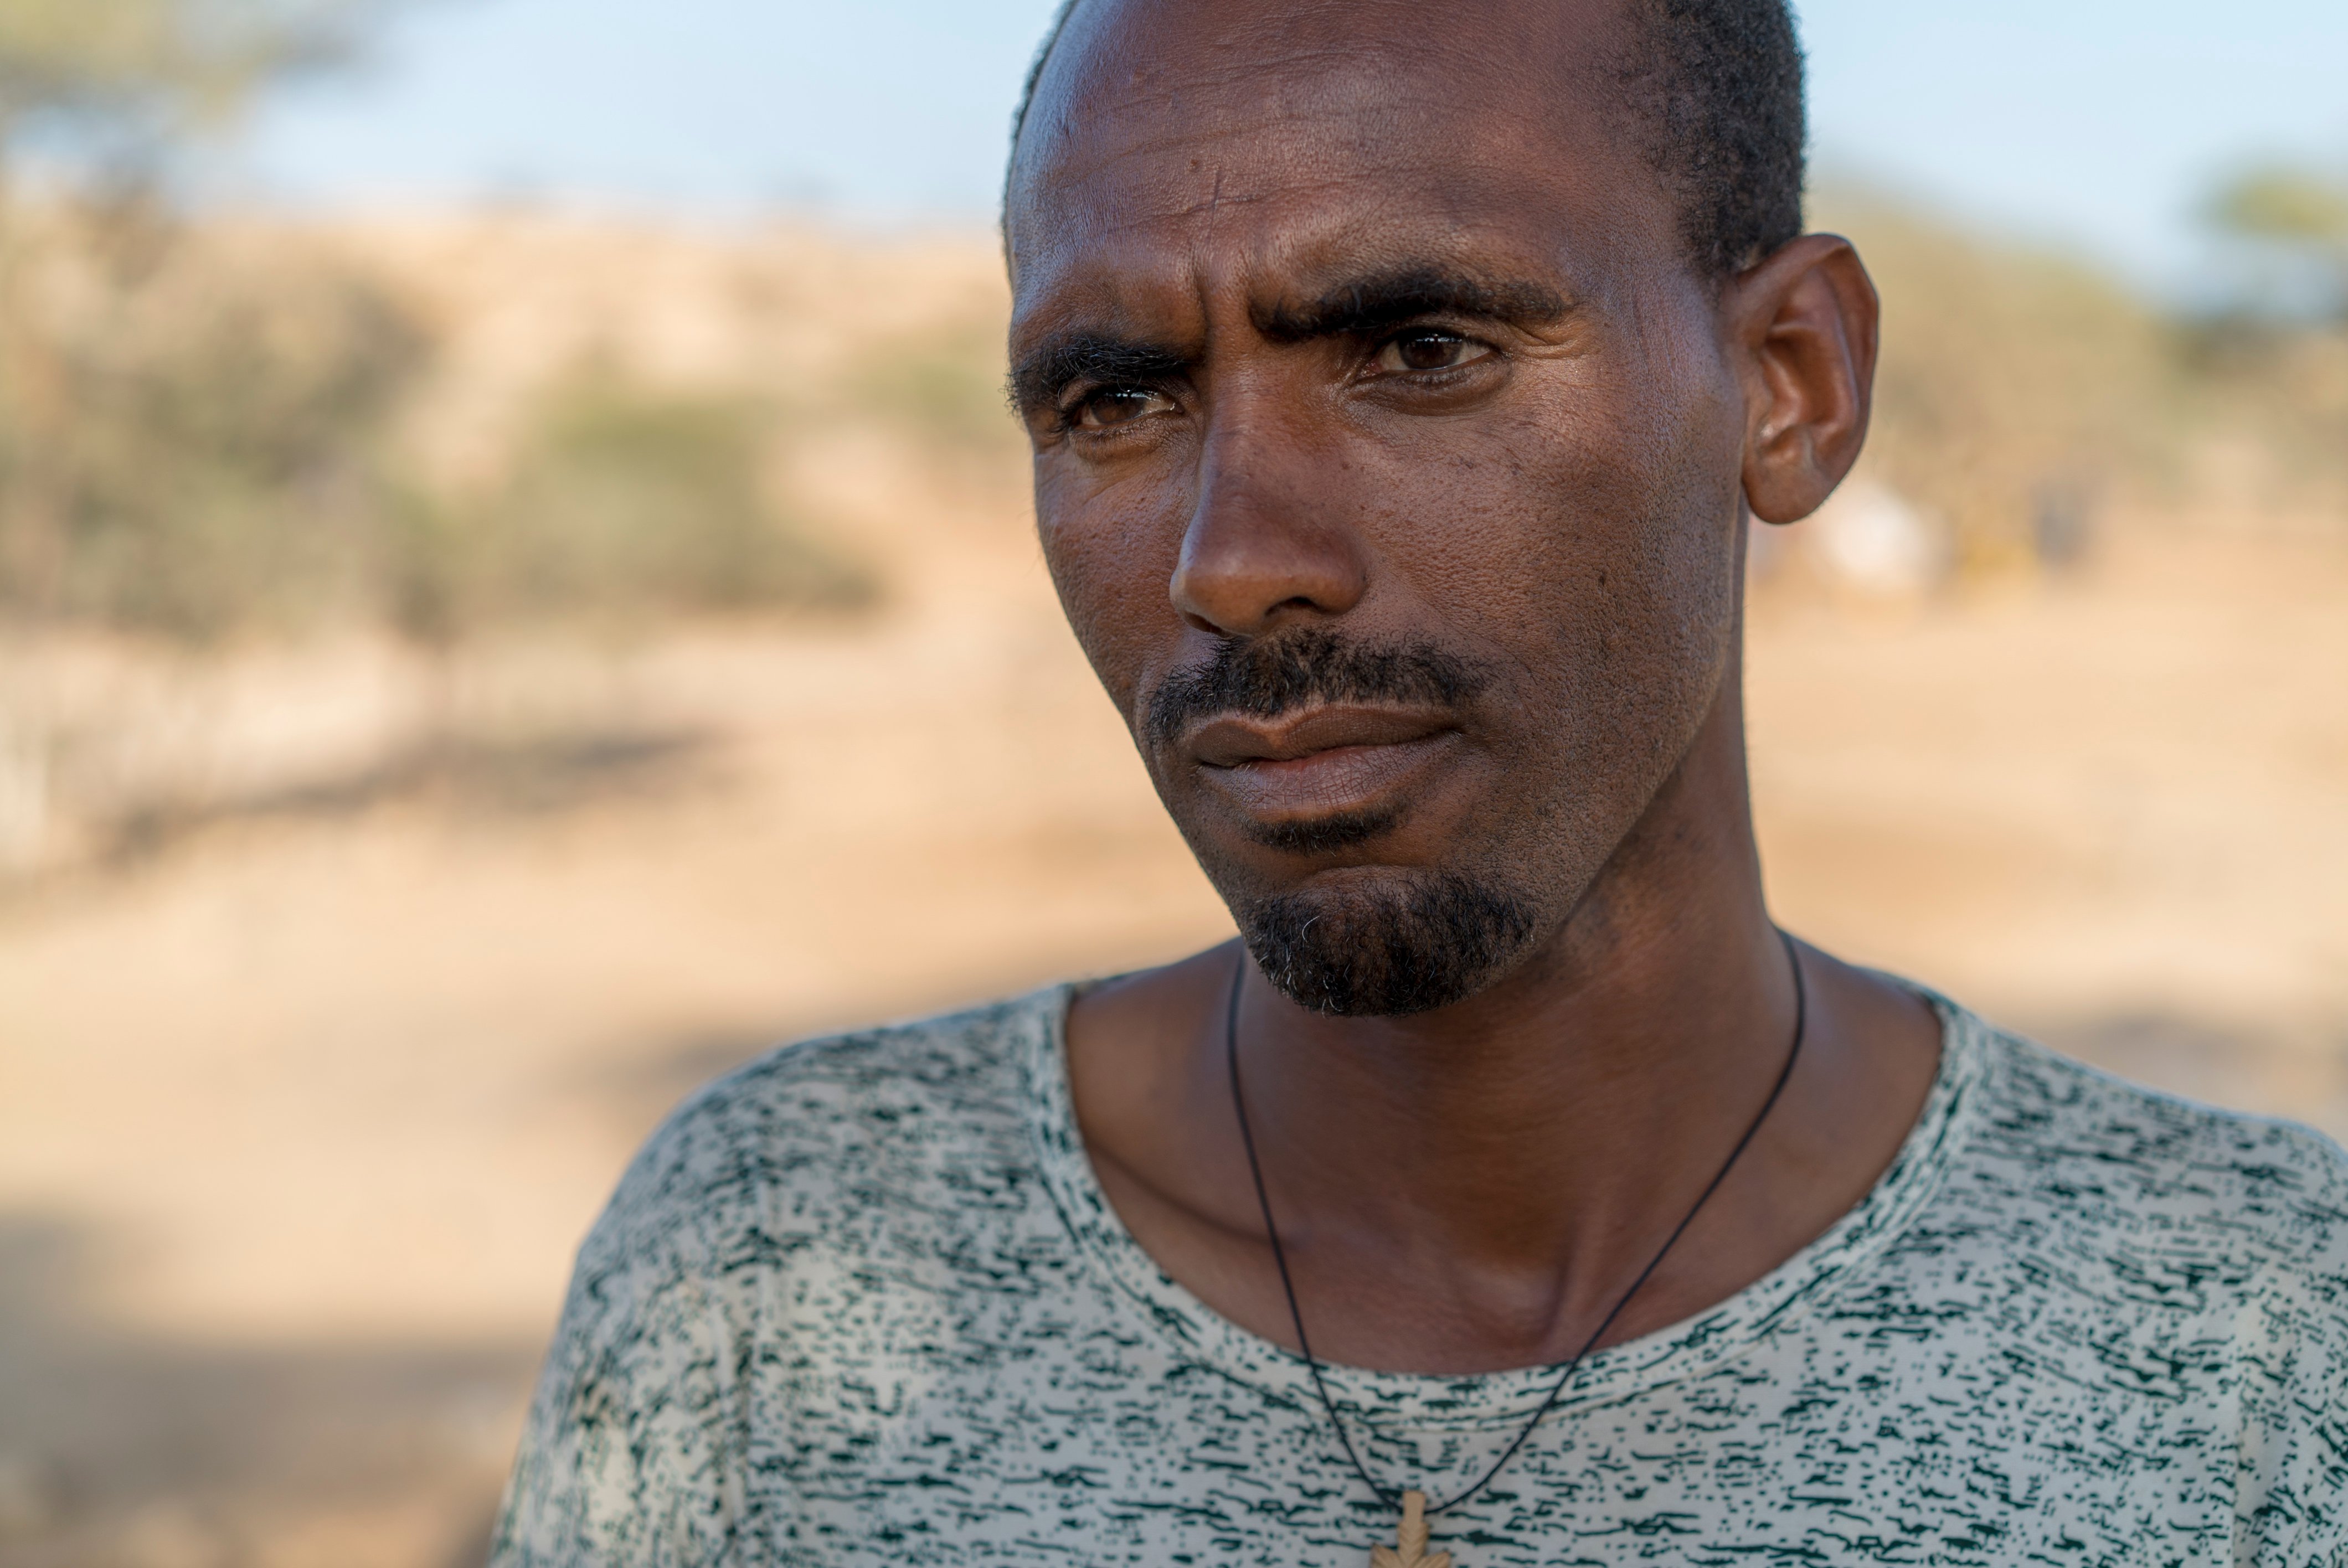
(1177, 146)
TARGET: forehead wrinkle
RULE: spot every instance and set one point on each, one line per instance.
(1067, 169)
(1180, 128)
(1180, 188)
(1133, 61)
(1251, 66)
(1355, 198)
(1080, 235)
(1127, 64)
(1104, 194)
(1198, 170)
(1183, 290)
(1109, 99)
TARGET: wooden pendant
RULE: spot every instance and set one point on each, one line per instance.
(1409, 1550)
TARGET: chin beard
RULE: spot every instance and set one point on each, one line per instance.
(1386, 952)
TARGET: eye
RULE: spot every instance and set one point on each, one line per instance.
(1429, 348)
(1114, 405)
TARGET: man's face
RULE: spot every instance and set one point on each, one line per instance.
(1387, 461)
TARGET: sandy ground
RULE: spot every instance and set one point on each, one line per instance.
(301, 1113)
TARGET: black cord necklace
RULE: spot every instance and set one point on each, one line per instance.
(1412, 1503)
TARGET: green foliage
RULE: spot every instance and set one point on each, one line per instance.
(2005, 374)
(2294, 206)
(190, 440)
(2291, 223)
(128, 77)
(2012, 380)
(198, 439)
(946, 394)
(623, 505)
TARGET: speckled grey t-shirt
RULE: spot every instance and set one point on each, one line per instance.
(863, 1303)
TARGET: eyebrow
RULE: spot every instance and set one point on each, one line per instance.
(1358, 308)
(1059, 362)
(1384, 300)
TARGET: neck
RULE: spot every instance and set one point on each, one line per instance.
(1558, 1112)
(1474, 1187)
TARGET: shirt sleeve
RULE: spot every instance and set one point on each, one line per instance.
(2292, 1496)
(627, 1457)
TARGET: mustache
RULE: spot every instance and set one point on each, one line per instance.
(1264, 677)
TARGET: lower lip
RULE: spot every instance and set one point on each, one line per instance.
(1340, 782)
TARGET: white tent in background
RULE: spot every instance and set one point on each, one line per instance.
(1870, 537)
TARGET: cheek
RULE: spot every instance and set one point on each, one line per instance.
(1692, 518)
(1646, 481)
(1587, 542)
(1111, 552)
(1578, 520)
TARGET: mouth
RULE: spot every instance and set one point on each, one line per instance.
(1320, 762)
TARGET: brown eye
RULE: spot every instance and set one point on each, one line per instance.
(1114, 405)
(1427, 349)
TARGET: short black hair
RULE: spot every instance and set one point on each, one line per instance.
(1717, 87)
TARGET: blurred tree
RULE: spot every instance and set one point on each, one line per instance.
(117, 462)
(131, 79)
(199, 420)
(2288, 204)
(2013, 385)
(621, 505)
(218, 453)
(2299, 218)
(2275, 342)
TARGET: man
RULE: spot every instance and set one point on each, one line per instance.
(1401, 381)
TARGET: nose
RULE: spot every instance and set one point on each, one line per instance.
(1269, 538)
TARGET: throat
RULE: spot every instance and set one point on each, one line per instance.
(1513, 1159)
(1455, 1200)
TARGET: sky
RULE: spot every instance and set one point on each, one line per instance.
(2093, 125)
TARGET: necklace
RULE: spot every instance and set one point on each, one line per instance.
(1411, 1535)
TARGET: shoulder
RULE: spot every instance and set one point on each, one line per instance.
(2210, 1225)
(813, 1193)
(819, 1120)
(2178, 1255)
(2114, 1153)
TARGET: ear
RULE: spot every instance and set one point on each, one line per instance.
(1803, 322)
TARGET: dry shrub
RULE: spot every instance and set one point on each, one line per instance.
(2275, 403)
(945, 391)
(2009, 380)
(200, 437)
(622, 505)
(2017, 384)
(192, 425)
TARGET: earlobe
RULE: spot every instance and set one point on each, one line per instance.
(1804, 320)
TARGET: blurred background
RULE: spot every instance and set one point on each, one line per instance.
(517, 591)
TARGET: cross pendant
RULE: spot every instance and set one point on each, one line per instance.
(1409, 1550)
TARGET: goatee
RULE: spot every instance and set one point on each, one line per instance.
(1386, 952)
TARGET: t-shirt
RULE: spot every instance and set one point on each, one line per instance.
(864, 1303)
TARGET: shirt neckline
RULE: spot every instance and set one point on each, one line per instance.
(1436, 1402)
